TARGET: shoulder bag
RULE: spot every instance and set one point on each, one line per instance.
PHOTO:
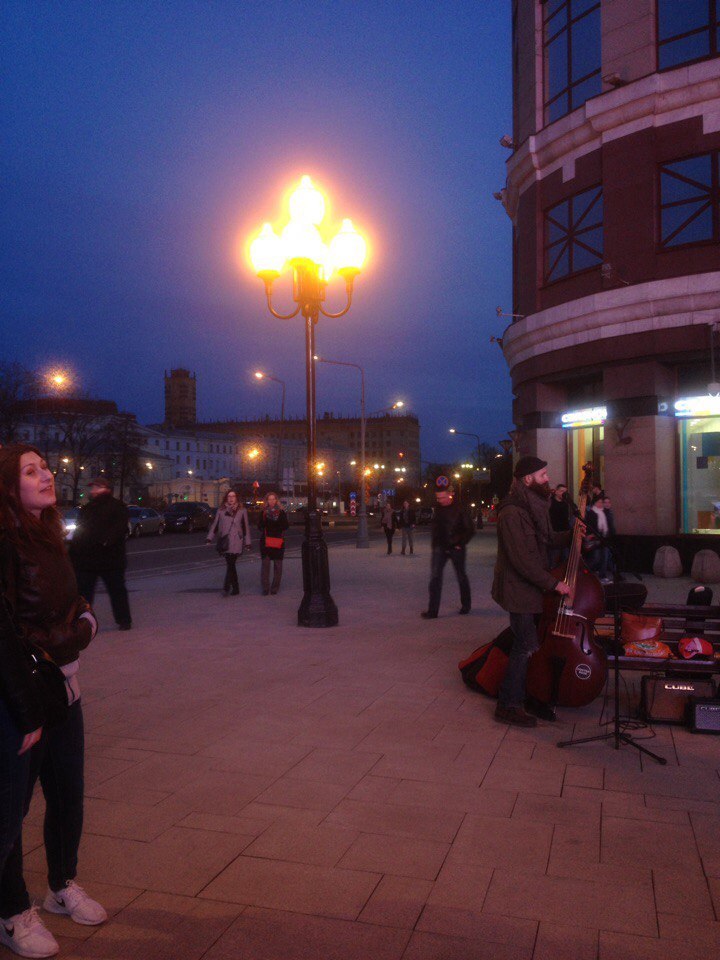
(223, 542)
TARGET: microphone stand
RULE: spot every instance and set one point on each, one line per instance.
(617, 735)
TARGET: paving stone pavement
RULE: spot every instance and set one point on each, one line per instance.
(256, 790)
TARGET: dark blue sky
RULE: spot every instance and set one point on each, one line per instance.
(144, 140)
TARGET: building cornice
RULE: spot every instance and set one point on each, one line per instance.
(640, 308)
(653, 101)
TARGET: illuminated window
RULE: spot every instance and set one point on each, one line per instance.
(574, 235)
(571, 54)
(687, 31)
(690, 200)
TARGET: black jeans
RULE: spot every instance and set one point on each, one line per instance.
(389, 534)
(15, 777)
(437, 564)
(231, 584)
(114, 581)
(59, 760)
(525, 643)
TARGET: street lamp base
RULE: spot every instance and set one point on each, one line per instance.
(317, 608)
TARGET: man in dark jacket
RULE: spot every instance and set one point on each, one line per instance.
(406, 522)
(452, 529)
(525, 539)
(97, 549)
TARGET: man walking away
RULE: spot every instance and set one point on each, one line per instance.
(452, 530)
(407, 525)
(525, 539)
(97, 549)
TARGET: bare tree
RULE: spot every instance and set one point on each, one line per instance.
(19, 388)
(83, 441)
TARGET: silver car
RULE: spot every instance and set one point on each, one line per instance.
(144, 520)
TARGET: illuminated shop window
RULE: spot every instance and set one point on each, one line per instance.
(571, 31)
(585, 445)
(700, 475)
(574, 235)
(688, 30)
(690, 200)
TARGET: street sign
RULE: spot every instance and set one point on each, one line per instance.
(353, 508)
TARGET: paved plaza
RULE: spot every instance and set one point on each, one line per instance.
(256, 790)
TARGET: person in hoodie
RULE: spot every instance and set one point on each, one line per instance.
(452, 529)
(522, 576)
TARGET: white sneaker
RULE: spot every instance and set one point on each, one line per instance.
(73, 902)
(26, 935)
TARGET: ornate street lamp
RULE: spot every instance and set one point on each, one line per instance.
(301, 248)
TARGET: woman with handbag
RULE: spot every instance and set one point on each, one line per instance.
(272, 525)
(231, 532)
(40, 610)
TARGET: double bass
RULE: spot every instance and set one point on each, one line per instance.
(570, 667)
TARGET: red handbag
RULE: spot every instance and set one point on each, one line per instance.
(274, 543)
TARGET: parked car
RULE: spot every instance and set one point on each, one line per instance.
(144, 520)
(70, 519)
(424, 515)
(188, 515)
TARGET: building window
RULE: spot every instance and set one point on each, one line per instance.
(687, 31)
(690, 200)
(700, 475)
(574, 235)
(571, 55)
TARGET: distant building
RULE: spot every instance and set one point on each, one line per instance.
(180, 399)
(613, 188)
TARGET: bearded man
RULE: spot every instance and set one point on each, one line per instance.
(522, 575)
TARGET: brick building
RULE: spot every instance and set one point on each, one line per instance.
(613, 188)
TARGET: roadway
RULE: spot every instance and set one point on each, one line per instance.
(177, 552)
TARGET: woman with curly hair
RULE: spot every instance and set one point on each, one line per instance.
(39, 605)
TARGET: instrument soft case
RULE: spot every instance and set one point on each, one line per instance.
(485, 668)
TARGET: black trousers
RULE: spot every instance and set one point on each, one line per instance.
(59, 760)
(389, 534)
(231, 584)
(437, 564)
(114, 581)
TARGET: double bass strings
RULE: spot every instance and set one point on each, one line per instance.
(562, 618)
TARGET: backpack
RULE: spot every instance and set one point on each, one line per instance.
(485, 668)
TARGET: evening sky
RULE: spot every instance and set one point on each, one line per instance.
(144, 141)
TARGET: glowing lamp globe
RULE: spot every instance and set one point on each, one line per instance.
(307, 204)
(266, 253)
(348, 250)
(301, 241)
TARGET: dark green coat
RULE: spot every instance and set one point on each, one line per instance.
(522, 567)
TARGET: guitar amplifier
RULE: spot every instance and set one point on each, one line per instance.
(667, 699)
(704, 715)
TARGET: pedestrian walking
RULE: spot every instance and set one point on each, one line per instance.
(97, 549)
(452, 529)
(388, 521)
(231, 532)
(522, 576)
(598, 556)
(39, 605)
(406, 521)
(272, 525)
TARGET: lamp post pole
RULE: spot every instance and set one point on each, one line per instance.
(302, 248)
(362, 540)
(463, 433)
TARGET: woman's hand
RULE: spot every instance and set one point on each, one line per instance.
(29, 741)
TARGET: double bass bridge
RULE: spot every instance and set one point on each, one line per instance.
(568, 612)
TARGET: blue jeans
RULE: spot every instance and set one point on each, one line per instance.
(437, 564)
(59, 762)
(525, 643)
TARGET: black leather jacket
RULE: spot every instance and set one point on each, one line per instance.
(99, 540)
(41, 605)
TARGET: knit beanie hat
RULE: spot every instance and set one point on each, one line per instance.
(527, 465)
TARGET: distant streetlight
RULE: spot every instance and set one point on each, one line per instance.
(301, 248)
(463, 433)
(260, 375)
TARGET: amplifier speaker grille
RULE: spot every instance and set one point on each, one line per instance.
(667, 699)
(704, 715)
